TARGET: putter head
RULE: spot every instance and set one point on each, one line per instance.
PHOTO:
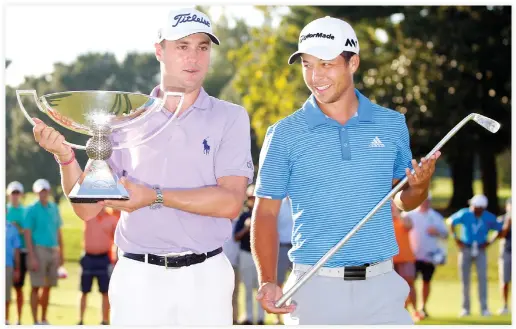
(488, 123)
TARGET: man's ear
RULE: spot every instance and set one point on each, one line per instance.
(354, 63)
(158, 50)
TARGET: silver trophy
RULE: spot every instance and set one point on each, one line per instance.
(102, 115)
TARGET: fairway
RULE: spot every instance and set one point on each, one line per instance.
(444, 305)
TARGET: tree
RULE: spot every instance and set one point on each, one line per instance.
(428, 69)
(94, 71)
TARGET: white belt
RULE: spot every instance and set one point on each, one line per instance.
(351, 271)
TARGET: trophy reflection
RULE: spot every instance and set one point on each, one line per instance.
(101, 115)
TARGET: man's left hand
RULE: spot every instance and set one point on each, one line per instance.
(420, 180)
(139, 196)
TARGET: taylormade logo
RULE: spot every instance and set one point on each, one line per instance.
(316, 35)
(351, 42)
(184, 18)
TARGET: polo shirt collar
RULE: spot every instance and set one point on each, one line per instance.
(316, 117)
(202, 102)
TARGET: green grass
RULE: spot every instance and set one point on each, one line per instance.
(444, 304)
(442, 190)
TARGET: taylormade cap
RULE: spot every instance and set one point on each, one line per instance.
(14, 186)
(326, 38)
(478, 201)
(40, 185)
(184, 22)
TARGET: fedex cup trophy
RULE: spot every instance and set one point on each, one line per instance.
(101, 115)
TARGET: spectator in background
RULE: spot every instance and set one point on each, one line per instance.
(285, 223)
(16, 215)
(247, 268)
(470, 228)
(404, 261)
(505, 262)
(42, 228)
(232, 250)
(113, 253)
(428, 226)
(99, 233)
(12, 263)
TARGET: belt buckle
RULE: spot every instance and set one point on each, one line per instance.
(355, 273)
(166, 263)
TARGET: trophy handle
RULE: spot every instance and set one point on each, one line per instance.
(41, 108)
(176, 112)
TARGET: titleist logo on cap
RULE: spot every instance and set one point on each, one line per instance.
(184, 18)
(316, 35)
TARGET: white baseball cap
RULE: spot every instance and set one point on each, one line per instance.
(14, 186)
(478, 201)
(40, 185)
(326, 38)
(184, 22)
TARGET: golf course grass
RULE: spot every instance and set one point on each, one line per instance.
(443, 307)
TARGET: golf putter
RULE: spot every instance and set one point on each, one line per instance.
(485, 122)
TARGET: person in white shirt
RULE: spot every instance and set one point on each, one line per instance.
(427, 230)
(285, 223)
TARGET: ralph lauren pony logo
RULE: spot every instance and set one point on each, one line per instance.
(206, 146)
(184, 18)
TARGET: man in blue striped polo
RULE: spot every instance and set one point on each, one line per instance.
(335, 158)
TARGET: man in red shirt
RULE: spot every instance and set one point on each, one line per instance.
(98, 242)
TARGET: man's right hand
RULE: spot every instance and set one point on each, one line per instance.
(51, 140)
(268, 294)
(34, 264)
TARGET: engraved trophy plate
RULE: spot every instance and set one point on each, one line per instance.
(100, 114)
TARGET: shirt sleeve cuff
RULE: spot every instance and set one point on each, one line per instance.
(270, 196)
(237, 172)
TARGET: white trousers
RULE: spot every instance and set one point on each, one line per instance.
(150, 295)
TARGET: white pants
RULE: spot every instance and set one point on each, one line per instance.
(249, 277)
(148, 295)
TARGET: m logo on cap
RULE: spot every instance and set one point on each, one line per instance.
(351, 43)
(316, 35)
(185, 18)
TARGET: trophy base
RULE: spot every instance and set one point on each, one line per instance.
(98, 183)
(94, 200)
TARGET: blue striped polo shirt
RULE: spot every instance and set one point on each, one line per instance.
(334, 175)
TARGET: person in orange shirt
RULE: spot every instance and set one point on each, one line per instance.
(98, 241)
(405, 260)
(113, 254)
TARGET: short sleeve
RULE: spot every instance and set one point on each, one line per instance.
(403, 152)
(59, 219)
(274, 172)
(28, 221)
(456, 218)
(233, 157)
(494, 224)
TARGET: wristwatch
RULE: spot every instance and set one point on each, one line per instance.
(158, 203)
